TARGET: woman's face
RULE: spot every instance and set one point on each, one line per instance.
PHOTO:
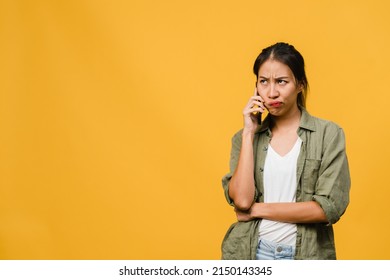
(277, 86)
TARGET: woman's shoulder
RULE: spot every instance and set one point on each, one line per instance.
(318, 123)
(237, 137)
(325, 129)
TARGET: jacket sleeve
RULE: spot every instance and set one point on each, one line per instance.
(234, 156)
(333, 184)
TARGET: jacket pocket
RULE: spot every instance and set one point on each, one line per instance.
(310, 175)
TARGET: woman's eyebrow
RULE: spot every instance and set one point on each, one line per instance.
(277, 78)
(282, 77)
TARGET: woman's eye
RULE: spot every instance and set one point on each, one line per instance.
(262, 81)
(282, 82)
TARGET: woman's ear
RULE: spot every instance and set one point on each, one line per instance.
(300, 86)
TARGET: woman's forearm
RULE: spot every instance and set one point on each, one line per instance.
(288, 212)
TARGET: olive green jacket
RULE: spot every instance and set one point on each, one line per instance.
(322, 176)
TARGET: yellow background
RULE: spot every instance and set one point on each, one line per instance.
(116, 119)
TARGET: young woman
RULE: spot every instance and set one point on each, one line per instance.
(289, 177)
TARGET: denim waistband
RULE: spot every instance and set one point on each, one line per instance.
(269, 250)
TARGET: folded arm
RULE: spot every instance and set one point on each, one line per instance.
(289, 212)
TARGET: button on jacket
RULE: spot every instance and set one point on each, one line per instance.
(322, 176)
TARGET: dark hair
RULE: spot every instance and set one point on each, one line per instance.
(288, 55)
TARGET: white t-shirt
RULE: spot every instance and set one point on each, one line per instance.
(280, 184)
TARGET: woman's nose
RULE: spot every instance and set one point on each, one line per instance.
(273, 92)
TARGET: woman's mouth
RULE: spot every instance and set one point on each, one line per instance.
(275, 104)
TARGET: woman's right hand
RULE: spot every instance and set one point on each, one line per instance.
(254, 106)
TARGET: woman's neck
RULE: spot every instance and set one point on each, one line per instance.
(288, 122)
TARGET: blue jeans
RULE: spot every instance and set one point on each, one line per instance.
(268, 250)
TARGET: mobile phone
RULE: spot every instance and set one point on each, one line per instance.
(257, 114)
(258, 117)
